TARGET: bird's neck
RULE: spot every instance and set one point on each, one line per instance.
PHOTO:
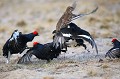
(29, 37)
(117, 44)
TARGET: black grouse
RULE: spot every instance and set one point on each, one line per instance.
(17, 43)
(115, 51)
(41, 51)
(72, 31)
(63, 22)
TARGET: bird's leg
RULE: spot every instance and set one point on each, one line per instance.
(64, 53)
(65, 47)
(88, 50)
(82, 44)
(8, 57)
(85, 47)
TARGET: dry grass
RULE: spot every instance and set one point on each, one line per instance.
(104, 66)
(61, 66)
(92, 73)
(2, 29)
(105, 26)
(21, 23)
(48, 77)
(50, 20)
(93, 20)
(105, 33)
(9, 67)
(94, 34)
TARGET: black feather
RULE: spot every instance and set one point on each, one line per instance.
(72, 31)
(114, 52)
(17, 43)
(41, 51)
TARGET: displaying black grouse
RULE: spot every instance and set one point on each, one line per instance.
(63, 22)
(17, 43)
(72, 31)
(115, 51)
(41, 51)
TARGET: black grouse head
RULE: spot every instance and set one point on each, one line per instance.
(35, 43)
(115, 42)
(35, 33)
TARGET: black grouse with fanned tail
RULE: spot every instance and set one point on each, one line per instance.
(17, 43)
(72, 31)
(41, 51)
(115, 51)
(63, 22)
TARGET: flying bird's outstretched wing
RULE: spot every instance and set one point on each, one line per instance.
(80, 15)
(66, 17)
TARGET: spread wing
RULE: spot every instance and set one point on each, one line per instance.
(14, 40)
(63, 22)
(113, 53)
(80, 15)
(11, 46)
(66, 17)
(26, 57)
(59, 41)
(75, 32)
(15, 36)
(89, 39)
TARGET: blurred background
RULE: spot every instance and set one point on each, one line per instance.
(43, 15)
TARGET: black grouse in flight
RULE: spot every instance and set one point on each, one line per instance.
(17, 43)
(114, 52)
(41, 51)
